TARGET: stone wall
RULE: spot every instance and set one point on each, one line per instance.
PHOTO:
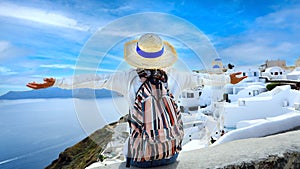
(289, 160)
(272, 152)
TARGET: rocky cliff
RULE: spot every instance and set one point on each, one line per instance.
(86, 151)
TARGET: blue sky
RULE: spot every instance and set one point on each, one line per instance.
(44, 38)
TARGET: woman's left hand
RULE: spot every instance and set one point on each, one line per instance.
(234, 79)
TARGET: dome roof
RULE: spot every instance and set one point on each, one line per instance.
(216, 66)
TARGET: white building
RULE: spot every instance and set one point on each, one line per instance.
(244, 90)
(294, 75)
(274, 72)
(217, 65)
(249, 87)
(280, 100)
(189, 99)
(253, 73)
(192, 98)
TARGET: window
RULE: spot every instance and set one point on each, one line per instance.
(276, 73)
(183, 95)
(255, 92)
(254, 73)
(200, 93)
(244, 73)
(190, 95)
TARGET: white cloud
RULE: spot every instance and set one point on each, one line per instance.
(274, 36)
(40, 16)
(182, 34)
(74, 67)
(255, 53)
(6, 71)
(4, 45)
(118, 11)
(116, 58)
(58, 66)
(8, 51)
(288, 18)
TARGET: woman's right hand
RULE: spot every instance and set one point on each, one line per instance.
(48, 82)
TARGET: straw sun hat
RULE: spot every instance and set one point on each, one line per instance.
(149, 52)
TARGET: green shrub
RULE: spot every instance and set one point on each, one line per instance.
(272, 86)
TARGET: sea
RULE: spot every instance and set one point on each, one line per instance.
(34, 131)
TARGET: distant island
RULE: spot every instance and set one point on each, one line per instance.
(54, 92)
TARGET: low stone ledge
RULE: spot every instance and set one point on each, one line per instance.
(276, 151)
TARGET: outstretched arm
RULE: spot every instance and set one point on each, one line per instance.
(234, 79)
(118, 81)
(48, 82)
(186, 80)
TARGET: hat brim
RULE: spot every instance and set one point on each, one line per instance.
(167, 59)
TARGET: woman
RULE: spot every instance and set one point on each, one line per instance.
(152, 59)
